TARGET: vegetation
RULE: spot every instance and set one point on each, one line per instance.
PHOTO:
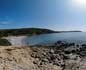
(4, 42)
(24, 31)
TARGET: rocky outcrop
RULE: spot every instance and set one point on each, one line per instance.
(14, 58)
(68, 56)
(59, 57)
(45, 56)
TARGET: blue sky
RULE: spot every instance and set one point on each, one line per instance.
(50, 14)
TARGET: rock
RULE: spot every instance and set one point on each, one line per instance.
(71, 49)
(83, 45)
(51, 51)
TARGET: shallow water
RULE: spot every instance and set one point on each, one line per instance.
(48, 39)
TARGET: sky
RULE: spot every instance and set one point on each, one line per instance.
(59, 15)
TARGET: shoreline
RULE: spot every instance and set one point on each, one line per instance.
(17, 40)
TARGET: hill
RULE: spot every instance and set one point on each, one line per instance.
(24, 31)
(28, 31)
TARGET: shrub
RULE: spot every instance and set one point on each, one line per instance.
(4, 42)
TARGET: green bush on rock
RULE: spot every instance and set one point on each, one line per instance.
(4, 42)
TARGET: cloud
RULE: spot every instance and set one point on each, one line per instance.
(6, 22)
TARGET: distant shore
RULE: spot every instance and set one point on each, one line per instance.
(28, 32)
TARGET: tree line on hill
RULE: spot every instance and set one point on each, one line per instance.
(24, 31)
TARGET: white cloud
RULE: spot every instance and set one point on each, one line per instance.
(6, 22)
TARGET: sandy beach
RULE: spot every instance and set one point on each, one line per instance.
(17, 41)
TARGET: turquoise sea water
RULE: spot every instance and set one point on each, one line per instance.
(77, 37)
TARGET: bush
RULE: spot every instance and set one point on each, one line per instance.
(4, 42)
